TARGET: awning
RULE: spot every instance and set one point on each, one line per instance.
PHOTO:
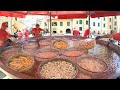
(11, 14)
(61, 14)
(104, 13)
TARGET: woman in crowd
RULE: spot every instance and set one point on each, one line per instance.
(26, 33)
(19, 33)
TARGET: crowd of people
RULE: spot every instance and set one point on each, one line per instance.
(5, 37)
(25, 32)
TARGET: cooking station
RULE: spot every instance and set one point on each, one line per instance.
(107, 53)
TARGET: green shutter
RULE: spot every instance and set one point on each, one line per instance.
(61, 23)
(7, 23)
(80, 28)
(86, 22)
(45, 24)
(68, 23)
(16, 19)
(54, 23)
(98, 24)
(76, 22)
(110, 19)
(115, 23)
(104, 25)
(110, 27)
(93, 23)
(104, 18)
(80, 21)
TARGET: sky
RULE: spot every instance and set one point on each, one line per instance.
(33, 19)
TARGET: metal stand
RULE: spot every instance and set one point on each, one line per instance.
(89, 14)
(50, 25)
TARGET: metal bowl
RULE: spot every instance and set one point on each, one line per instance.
(73, 49)
(10, 49)
(83, 44)
(21, 54)
(47, 40)
(30, 44)
(43, 51)
(30, 47)
(68, 42)
(97, 59)
(55, 59)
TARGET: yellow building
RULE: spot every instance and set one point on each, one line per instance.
(80, 24)
(59, 26)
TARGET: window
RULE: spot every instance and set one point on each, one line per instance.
(110, 20)
(110, 27)
(104, 18)
(93, 23)
(68, 23)
(80, 28)
(98, 24)
(61, 23)
(7, 23)
(114, 28)
(54, 32)
(61, 31)
(86, 22)
(115, 17)
(80, 21)
(76, 22)
(54, 23)
(103, 25)
(16, 19)
(115, 23)
(45, 24)
(98, 17)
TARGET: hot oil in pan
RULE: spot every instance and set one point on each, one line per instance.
(33, 71)
(100, 51)
(111, 58)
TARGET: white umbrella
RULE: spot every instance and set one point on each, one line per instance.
(19, 26)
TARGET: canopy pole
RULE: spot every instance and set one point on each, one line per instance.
(48, 22)
(11, 26)
(50, 25)
(89, 14)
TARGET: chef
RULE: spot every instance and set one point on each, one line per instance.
(36, 31)
(76, 32)
(4, 35)
(86, 34)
